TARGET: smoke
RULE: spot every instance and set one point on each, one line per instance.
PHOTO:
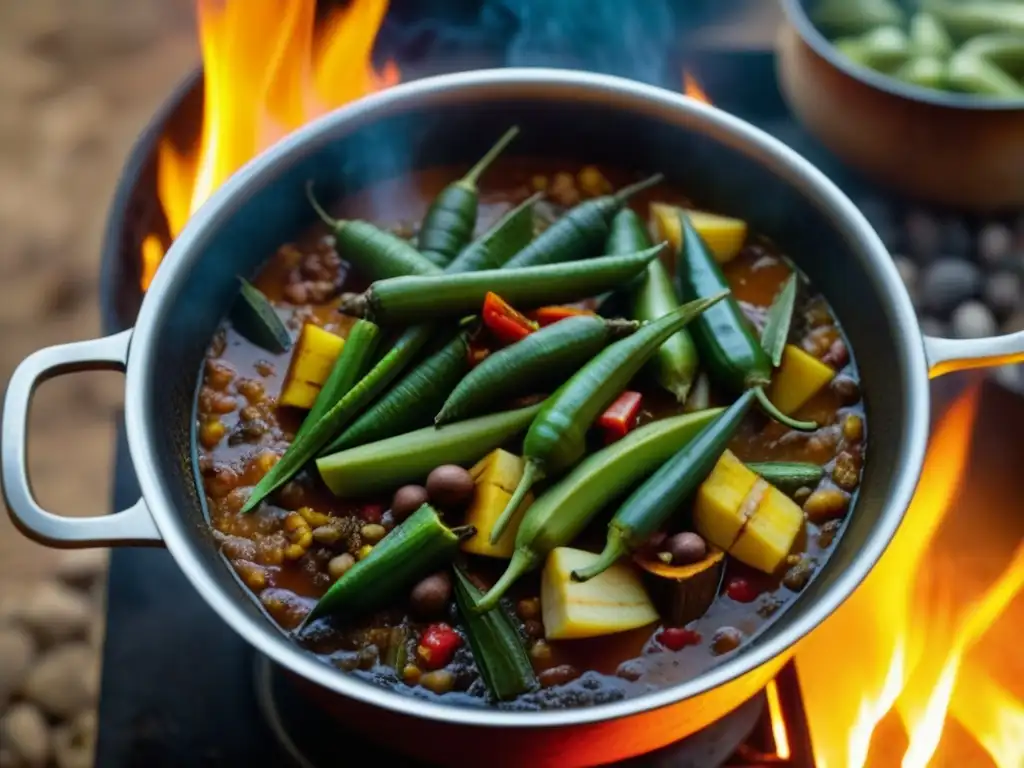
(617, 37)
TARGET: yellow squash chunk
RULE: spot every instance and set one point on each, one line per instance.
(312, 360)
(799, 378)
(613, 602)
(725, 236)
(489, 501)
(769, 534)
(499, 468)
(719, 512)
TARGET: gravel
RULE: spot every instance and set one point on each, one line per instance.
(973, 320)
(995, 243)
(947, 283)
(24, 733)
(17, 651)
(65, 681)
(1002, 292)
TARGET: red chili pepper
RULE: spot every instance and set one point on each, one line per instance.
(677, 638)
(438, 644)
(621, 415)
(505, 322)
(741, 590)
(548, 315)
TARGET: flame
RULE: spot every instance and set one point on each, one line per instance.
(899, 644)
(693, 89)
(778, 721)
(268, 69)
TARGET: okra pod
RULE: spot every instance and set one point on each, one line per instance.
(418, 298)
(451, 218)
(508, 236)
(580, 233)
(413, 401)
(666, 491)
(418, 546)
(408, 458)
(375, 253)
(565, 509)
(361, 344)
(497, 649)
(675, 363)
(545, 357)
(557, 437)
(728, 348)
(304, 449)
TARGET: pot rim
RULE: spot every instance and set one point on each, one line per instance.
(796, 14)
(542, 84)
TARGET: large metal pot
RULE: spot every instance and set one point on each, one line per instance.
(724, 163)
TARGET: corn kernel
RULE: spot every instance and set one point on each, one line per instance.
(314, 518)
(266, 461)
(539, 182)
(211, 432)
(363, 551)
(853, 427)
(295, 522)
(293, 552)
(305, 538)
(373, 532)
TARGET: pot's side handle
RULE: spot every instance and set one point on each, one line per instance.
(131, 526)
(949, 355)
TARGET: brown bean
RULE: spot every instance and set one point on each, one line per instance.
(825, 504)
(796, 578)
(686, 548)
(846, 389)
(528, 608)
(450, 486)
(846, 472)
(296, 293)
(211, 432)
(431, 596)
(407, 500)
(533, 628)
(837, 356)
(252, 390)
(828, 533)
(219, 374)
(560, 675)
(726, 639)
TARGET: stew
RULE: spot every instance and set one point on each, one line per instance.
(558, 467)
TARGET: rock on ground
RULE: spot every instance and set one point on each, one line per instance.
(16, 653)
(24, 734)
(65, 681)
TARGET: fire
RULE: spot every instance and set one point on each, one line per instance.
(693, 89)
(269, 68)
(900, 646)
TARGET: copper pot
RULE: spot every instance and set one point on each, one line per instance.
(946, 148)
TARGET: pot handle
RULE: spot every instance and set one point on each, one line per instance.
(950, 355)
(130, 526)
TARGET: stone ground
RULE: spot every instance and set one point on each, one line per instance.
(78, 81)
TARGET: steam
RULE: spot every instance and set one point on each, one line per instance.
(616, 37)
